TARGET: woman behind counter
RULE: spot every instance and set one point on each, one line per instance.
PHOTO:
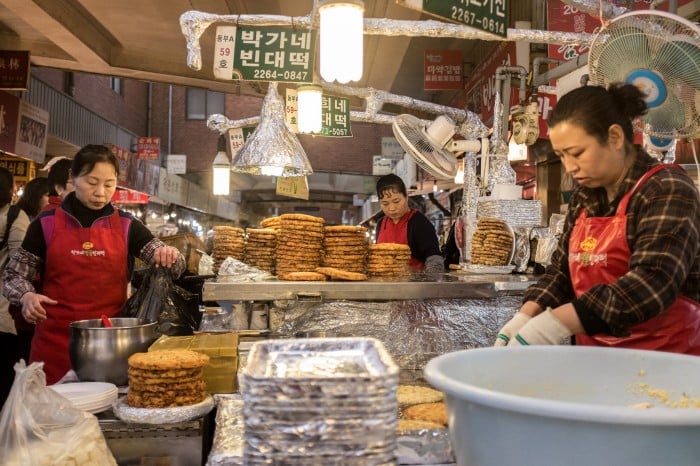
(404, 225)
(85, 252)
(626, 271)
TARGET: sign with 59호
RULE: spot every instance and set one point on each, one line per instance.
(264, 54)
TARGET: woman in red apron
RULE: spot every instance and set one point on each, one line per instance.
(84, 251)
(404, 225)
(627, 269)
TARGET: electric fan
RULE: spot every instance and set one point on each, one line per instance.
(658, 52)
(433, 148)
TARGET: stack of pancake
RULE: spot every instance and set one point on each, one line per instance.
(228, 242)
(345, 248)
(166, 378)
(299, 243)
(260, 246)
(492, 242)
(388, 259)
(271, 222)
(421, 407)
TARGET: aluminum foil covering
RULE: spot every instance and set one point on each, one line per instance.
(161, 415)
(425, 446)
(227, 446)
(319, 401)
(194, 23)
(233, 270)
(596, 8)
(521, 255)
(334, 360)
(272, 144)
(413, 331)
(517, 212)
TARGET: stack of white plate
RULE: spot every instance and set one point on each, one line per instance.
(93, 397)
(320, 401)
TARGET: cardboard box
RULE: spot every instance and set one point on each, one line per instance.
(222, 349)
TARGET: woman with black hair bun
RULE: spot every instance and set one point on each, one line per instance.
(626, 272)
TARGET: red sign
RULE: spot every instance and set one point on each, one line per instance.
(566, 18)
(14, 70)
(123, 157)
(442, 70)
(129, 196)
(148, 148)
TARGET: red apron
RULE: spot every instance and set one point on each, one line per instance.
(86, 272)
(599, 253)
(391, 232)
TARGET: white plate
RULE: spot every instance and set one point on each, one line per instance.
(93, 397)
(85, 391)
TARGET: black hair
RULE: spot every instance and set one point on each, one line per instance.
(7, 186)
(58, 175)
(31, 196)
(89, 155)
(390, 183)
(596, 109)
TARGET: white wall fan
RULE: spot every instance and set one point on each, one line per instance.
(433, 146)
(658, 52)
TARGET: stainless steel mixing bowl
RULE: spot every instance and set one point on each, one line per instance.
(100, 353)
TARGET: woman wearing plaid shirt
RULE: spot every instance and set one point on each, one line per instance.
(626, 271)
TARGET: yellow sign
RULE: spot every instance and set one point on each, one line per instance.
(293, 186)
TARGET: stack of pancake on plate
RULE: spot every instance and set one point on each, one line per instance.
(260, 247)
(166, 378)
(299, 243)
(420, 407)
(388, 259)
(492, 242)
(345, 248)
(228, 242)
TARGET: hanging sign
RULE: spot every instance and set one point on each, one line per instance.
(148, 148)
(19, 168)
(14, 70)
(23, 128)
(335, 114)
(264, 54)
(177, 164)
(442, 70)
(487, 15)
(237, 137)
(293, 186)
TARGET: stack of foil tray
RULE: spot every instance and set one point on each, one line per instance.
(320, 401)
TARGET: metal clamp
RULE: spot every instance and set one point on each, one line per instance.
(309, 297)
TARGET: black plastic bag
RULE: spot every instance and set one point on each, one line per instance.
(160, 300)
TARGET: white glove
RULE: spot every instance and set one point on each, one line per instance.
(511, 328)
(544, 329)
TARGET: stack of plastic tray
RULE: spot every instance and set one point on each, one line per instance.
(320, 401)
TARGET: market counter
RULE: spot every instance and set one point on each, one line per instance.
(418, 286)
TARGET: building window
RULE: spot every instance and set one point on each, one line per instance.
(116, 84)
(202, 103)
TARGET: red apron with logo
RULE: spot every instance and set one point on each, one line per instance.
(599, 253)
(391, 232)
(86, 272)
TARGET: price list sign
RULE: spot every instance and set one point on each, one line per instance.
(264, 54)
(487, 15)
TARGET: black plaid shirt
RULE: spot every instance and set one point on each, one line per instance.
(663, 233)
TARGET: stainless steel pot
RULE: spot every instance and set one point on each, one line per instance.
(100, 353)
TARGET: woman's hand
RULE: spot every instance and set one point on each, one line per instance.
(165, 256)
(32, 310)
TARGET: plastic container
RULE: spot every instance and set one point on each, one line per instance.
(550, 405)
